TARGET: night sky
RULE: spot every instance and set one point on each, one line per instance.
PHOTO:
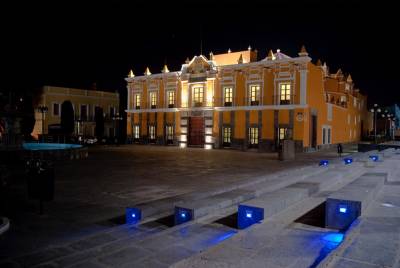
(75, 46)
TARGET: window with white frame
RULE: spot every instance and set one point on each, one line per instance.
(227, 135)
(56, 109)
(198, 94)
(285, 93)
(253, 135)
(228, 96)
(136, 132)
(153, 99)
(254, 94)
(152, 132)
(137, 101)
(171, 99)
(282, 133)
(326, 134)
(170, 133)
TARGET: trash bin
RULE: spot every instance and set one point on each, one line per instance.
(40, 180)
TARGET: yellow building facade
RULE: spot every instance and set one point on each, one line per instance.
(84, 103)
(233, 100)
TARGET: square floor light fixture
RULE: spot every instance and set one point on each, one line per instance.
(323, 162)
(374, 158)
(348, 160)
(133, 215)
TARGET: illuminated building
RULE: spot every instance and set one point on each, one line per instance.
(234, 100)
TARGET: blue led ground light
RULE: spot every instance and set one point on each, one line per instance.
(374, 158)
(343, 209)
(348, 161)
(182, 215)
(323, 162)
(248, 216)
(133, 215)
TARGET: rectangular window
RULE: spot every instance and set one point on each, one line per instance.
(228, 96)
(198, 96)
(84, 112)
(56, 109)
(153, 100)
(253, 136)
(323, 135)
(285, 93)
(171, 99)
(329, 136)
(136, 132)
(137, 101)
(112, 111)
(282, 133)
(227, 135)
(170, 134)
(152, 133)
(254, 95)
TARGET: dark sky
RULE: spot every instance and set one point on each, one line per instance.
(75, 45)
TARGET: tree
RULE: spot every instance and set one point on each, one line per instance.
(98, 116)
(67, 118)
(28, 117)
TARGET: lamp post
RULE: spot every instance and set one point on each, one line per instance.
(375, 110)
(43, 109)
(116, 118)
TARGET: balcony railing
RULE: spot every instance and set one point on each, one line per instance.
(336, 100)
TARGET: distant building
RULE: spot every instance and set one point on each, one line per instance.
(234, 100)
(84, 103)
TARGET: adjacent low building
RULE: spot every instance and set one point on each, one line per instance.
(233, 100)
(84, 103)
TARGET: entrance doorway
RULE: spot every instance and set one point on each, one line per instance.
(196, 131)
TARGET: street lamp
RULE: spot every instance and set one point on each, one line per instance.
(116, 118)
(43, 109)
(375, 110)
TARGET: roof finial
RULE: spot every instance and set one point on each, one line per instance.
(211, 56)
(318, 63)
(271, 55)
(303, 52)
(349, 79)
(131, 75)
(249, 48)
(187, 60)
(240, 60)
(165, 69)
(229, 50)
(147, 72)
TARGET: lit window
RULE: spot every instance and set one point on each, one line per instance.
(170, 133)
(153, 99)
(227, 135)
(137, 101)
(228, 96)
(253, 135)
(285, 93)
(254, 94)
(282, 133)
(56, 109)
(171, 99)
(198, 96)
(152, 132)
(136, 132)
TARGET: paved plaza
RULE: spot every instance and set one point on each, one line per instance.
(84, 226)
